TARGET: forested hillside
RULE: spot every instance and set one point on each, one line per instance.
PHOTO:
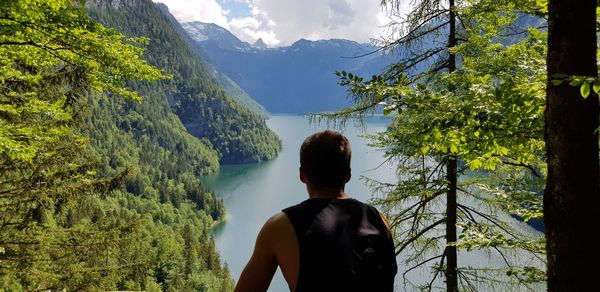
(228, 85)
(99, 190)
(193, 94)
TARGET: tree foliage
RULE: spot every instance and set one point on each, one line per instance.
(97, 191)
(50, 56)
(486, 113)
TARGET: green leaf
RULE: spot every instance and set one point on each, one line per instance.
(576, 81)
(585, 90)
(557, 82)
(453, 149)
(596, 87)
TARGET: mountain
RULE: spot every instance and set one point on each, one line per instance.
(259, 44)
(193, 93)
(228, 85)
(212, 33)
(293, 79)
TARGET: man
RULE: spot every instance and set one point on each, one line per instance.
(329, 242)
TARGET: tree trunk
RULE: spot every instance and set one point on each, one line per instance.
(572, 195)
(451, 177)
(450, 252)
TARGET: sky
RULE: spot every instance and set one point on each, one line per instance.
(282, 22)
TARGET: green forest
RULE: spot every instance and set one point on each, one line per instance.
(102, 146)
(109, 115)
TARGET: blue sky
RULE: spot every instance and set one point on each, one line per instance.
(236, 8)
(282, 22)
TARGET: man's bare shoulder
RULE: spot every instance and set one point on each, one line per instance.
(278, 223)
(279, 232)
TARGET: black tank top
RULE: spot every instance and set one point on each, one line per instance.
(344, 246)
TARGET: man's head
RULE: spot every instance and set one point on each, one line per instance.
(325, 160)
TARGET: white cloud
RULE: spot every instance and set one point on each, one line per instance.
(251, 29)
(197, 10)
(291, 20)
(280, 22)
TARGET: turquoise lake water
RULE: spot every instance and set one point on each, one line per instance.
(254, 192)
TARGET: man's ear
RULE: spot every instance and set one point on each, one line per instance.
(302, 176)
(348, 176)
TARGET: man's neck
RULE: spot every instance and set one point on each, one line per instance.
(325, 193)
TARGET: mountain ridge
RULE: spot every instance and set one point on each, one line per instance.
(293, 79)
(228, 40)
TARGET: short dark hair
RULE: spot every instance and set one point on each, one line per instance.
(325, 159)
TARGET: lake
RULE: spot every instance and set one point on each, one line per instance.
(254, 192)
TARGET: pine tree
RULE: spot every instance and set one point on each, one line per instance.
(462, 104)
